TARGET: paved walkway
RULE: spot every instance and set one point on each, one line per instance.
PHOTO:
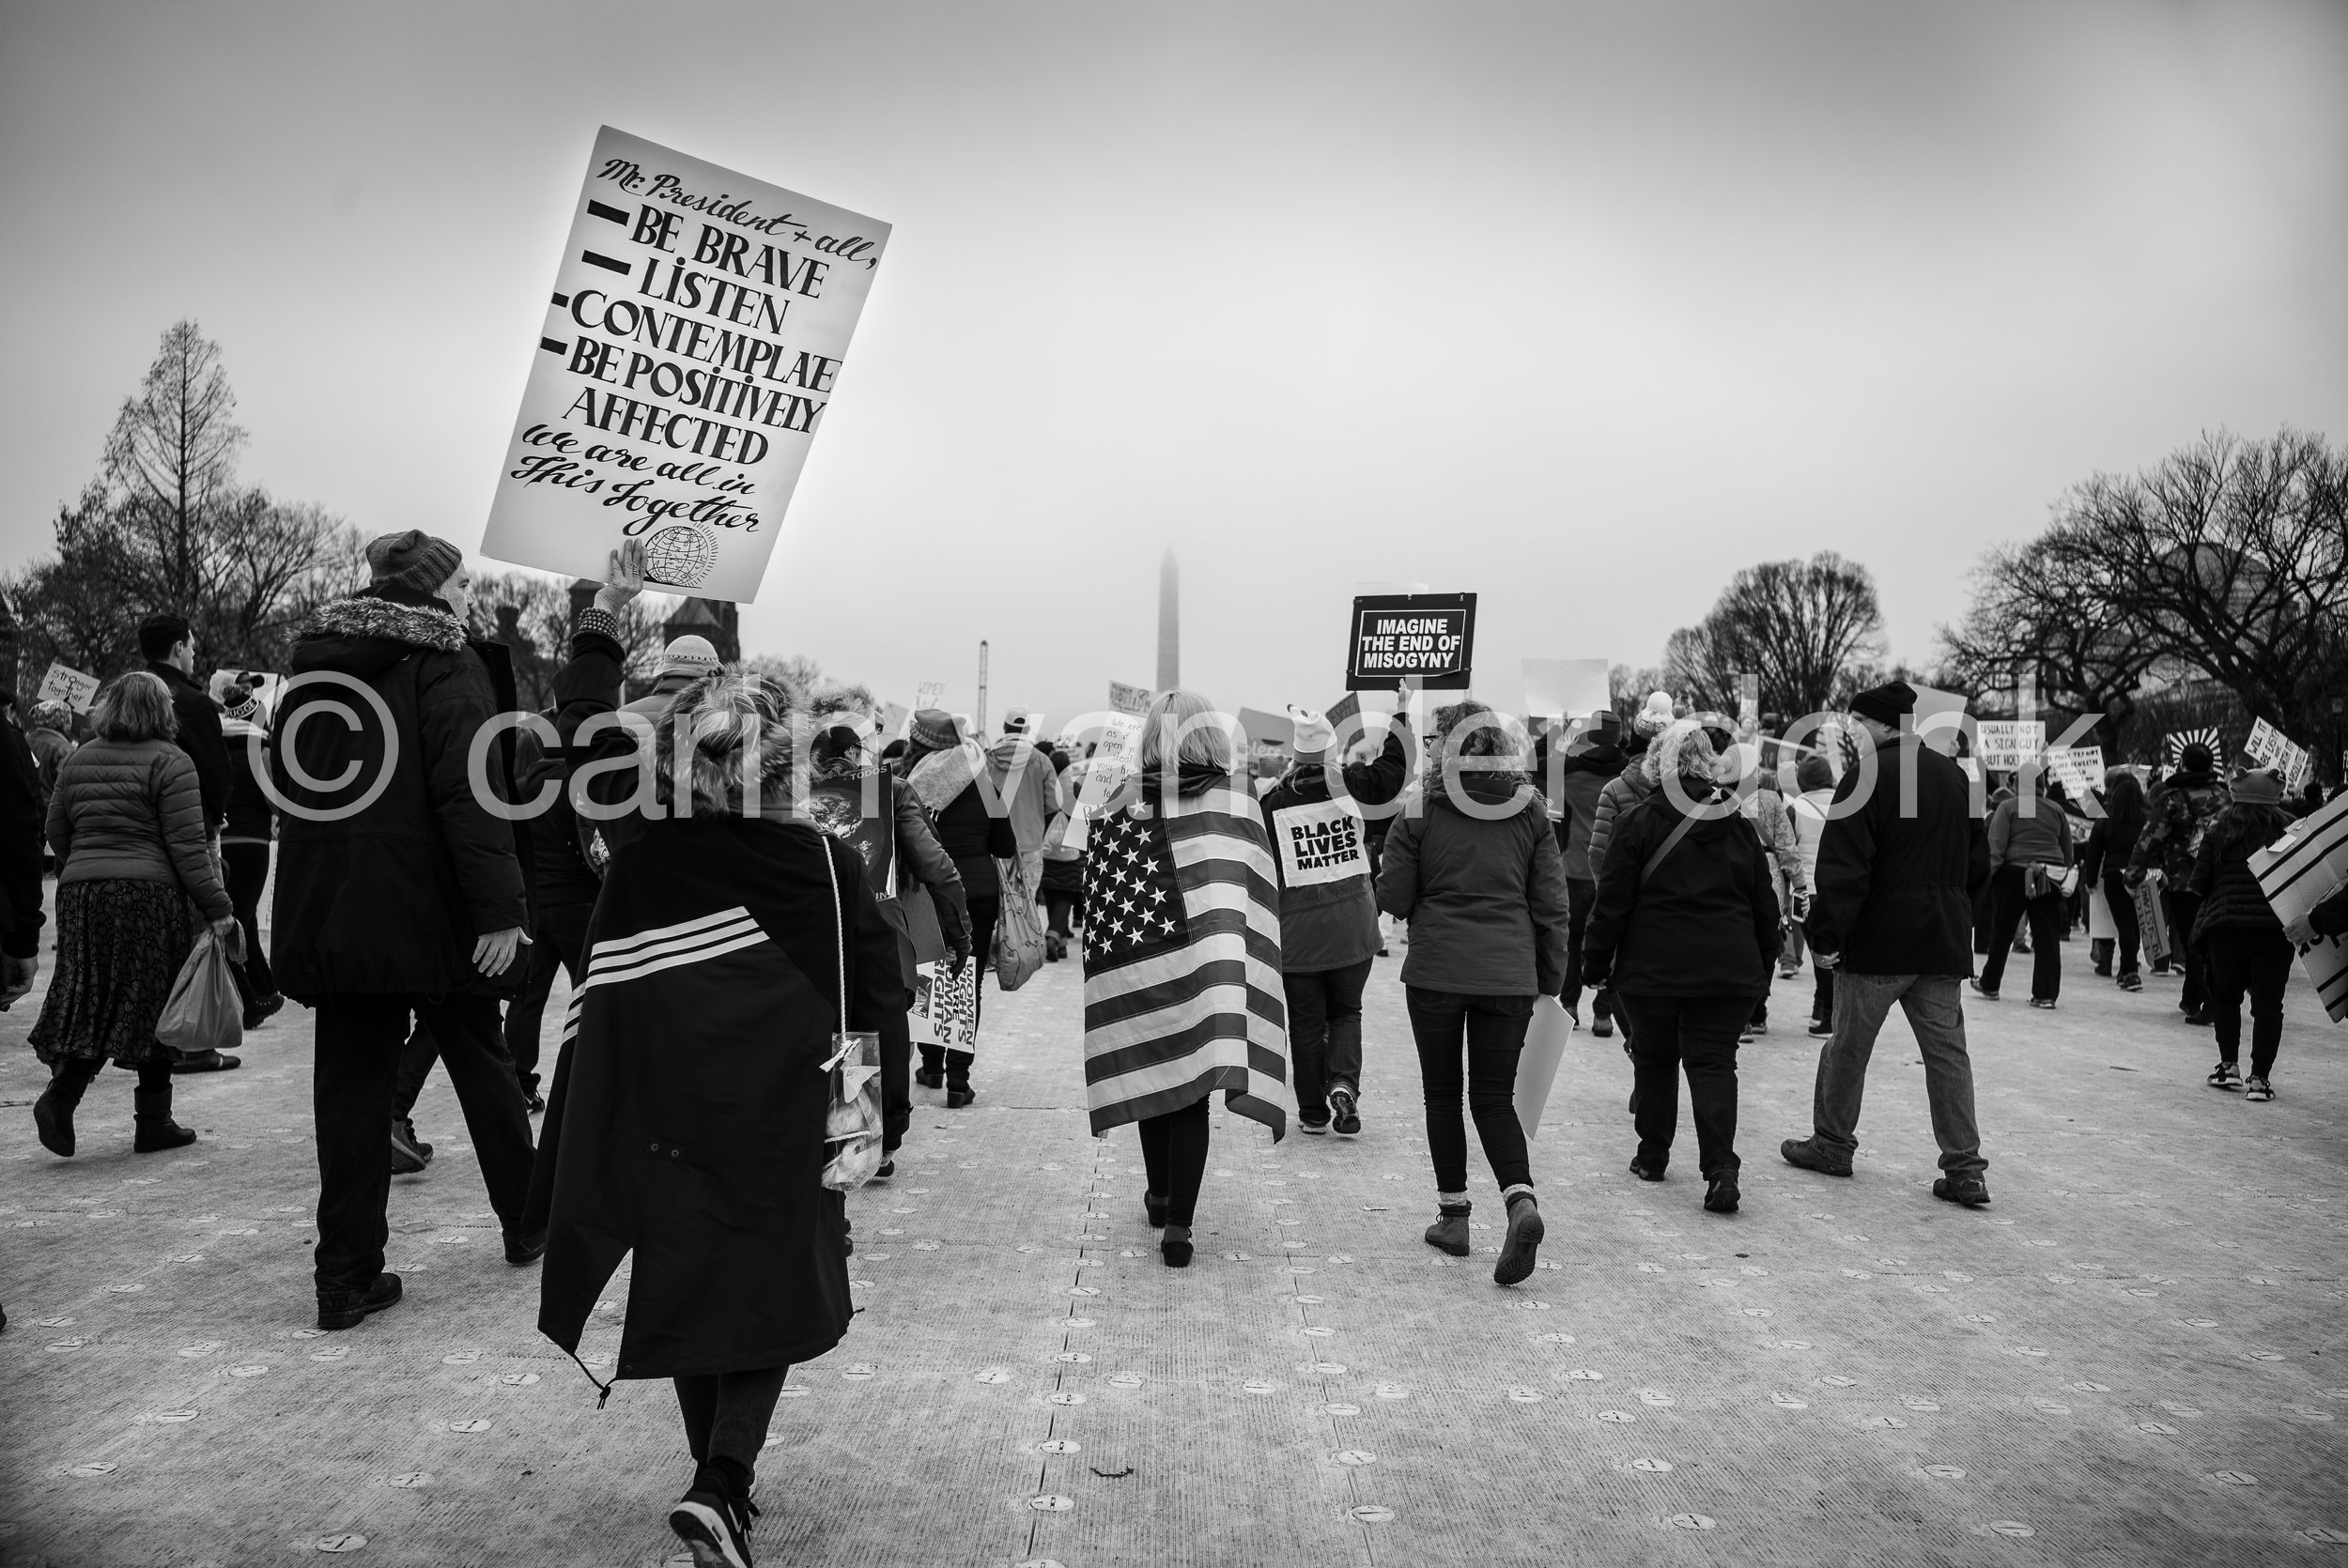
(2135, 1356)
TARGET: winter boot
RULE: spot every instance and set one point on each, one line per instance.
(1450, 1229)
(52, 1113)
(1524, 1238)
(156, 1130)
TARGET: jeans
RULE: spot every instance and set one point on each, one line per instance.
(246, 868)
(560, 943)
(2121, 901)
(2044, 914)
(358, 1053)
(1325, 1035)
(1580, 897)
(1493, 1029)
(985, 910)
(2258, 963)
(1937, 1013)
(1174, 1153)
(726, 1412)
(1699, 1035)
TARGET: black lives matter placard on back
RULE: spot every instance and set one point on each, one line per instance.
(694, 338)
(1430, 637)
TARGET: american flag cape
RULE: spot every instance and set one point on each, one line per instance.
(1183, 962)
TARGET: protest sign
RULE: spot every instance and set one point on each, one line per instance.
(2152, 920)
(1426, 637)
(697, 329)
(2177, 739)
(1940, 718)
(2005, 745)
(2308, 865)
(64, 684)
(1566, 689)
(2269, 747)
(1748, 706)
(1319, 842)
(2079, 768)
(929, 694)
(1271, 741)
(1130, 699)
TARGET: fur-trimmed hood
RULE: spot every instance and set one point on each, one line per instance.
(366, 636)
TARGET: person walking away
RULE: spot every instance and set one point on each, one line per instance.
(24, 817)
(1574, 779)
(168, 645)
(1063, 884)
(2180, 812)
(1476, 871)
(2110, 845)
(1685, 930)
(1328, 915)
(248, 830)
(730, 949)
(2242, 939)
(1181, 960)
(1814, 777)
(1621, 793)
(941, 771)
(1765, 808)
(1902, 860)
(49, 741)
(125, 823)
(1020, 773)
(411, 906)
(2030, 853)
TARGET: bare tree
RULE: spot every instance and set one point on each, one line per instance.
(171, 460)
(1807, 628)
(2056, 617)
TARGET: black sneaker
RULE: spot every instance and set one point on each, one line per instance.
(887, 1168)
(521, 1249)
(2131, 981)
(1982, 991)
(1525, 1231)
(713, 1522)
(1343, 1115)
(344, 1309)
(1645, 1172)
(407, 1159)
(1721, 1196)
(2255, 1087)
(1806, 1153)
(2199, 1019)
(536, 1101)
(2225, 1075)
(1821, 1028)
(1971, 1191)
(1312, 1129)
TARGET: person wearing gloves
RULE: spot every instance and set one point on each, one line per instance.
(2030, 853)
(1814, 777)
(1621, 793)
(2242, 940)
(1574, 776)
(1328, 914)
(1474, 867)
(940, 770)
(1685, 930)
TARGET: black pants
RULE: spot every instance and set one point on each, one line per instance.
(1581, 896)
(2183, 908)
(2044, 914)
(2257, 963)
(1493, 1030)
(71, 1077)
(246, 867)
(1697, 1035)
(1059, 909)
(985, 909)
(1174, 1153)
(2121, 900)
(358, 1057)
(726, 1412)
(1822, 996)
(560, 943)
(1325, 1035)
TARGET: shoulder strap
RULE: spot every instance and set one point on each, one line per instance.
(1669, 844)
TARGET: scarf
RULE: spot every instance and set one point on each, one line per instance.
(939, 777)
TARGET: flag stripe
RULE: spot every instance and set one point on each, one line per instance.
(697, 955)
(603, 966)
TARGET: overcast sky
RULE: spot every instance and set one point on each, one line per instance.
(1579, 308)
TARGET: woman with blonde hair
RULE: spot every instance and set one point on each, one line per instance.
(127, 824)
(734, 941)
(1182, 959)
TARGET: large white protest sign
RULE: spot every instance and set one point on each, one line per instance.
(2303, 868)
(2004, 745)
(1939, 718)
(1565, 689)
(2269, 747)
(695, 337)
(64, 684)
(2079, 768)
(1319, 842)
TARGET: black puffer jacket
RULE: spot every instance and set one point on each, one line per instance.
(1485, 894)
(392, 896)
(1704, 923)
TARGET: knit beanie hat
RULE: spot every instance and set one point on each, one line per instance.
(1814, 772)
(933, 730)
(1605, 728)
(688, 656)
(412, 558)
(1887, 703)
(1314, 734)
(2259, 787)
(1656, 716)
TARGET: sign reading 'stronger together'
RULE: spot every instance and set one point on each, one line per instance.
(695, 337)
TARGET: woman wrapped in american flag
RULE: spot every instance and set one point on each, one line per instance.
(1182, 959)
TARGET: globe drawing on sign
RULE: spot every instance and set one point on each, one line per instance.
(682, 554)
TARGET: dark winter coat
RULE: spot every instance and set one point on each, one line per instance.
(2232, 898)
(1486, 898)
(1617, 795)
(393, 898)
(975, 838)
(1330, 925)
(912, 878)
(24, 811)
(2180, 809)
(1579, 778)
(200, 737)
(1702, 923)
(687, 1119)
(2041, 838)
(250, 816)
(131, 811)
(1895, 891)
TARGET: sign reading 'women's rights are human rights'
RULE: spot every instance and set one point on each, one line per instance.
(695, 337)
(1428, 638)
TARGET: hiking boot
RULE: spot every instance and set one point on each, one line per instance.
(2255, 1087)
(1343, 1115)
(1450, 1229)
(712, 1520)
(1721, 1195)
(406, 1158)
(1524, 1239)
(1806, 1153)
(525, 1249)
(1174, 1246)
(2225, 1075)
(343, 1308)
(1971, 1191)
(1644, 1172)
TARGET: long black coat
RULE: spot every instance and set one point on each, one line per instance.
(687, 1118)
(201, 737)
(392, 897)
(1896, 890)
(1704, 923)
